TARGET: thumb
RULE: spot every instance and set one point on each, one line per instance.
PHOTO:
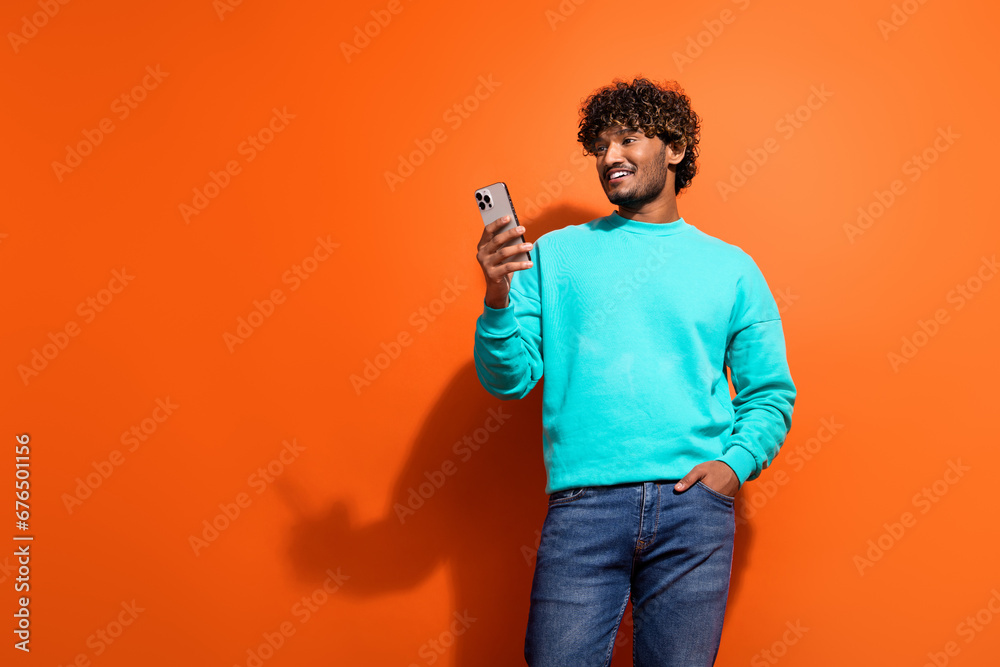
(688, 480)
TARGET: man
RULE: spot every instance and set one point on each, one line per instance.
(637, 315)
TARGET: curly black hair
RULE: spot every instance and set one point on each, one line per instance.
(658, 110)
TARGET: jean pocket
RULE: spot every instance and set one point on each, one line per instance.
(566, 496)
(722, 496)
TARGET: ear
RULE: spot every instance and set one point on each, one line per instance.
(675, 152)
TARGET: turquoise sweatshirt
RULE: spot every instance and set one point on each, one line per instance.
(634, 324)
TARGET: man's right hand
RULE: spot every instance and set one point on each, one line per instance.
(491, 256)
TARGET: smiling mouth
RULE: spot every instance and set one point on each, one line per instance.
(618, 175)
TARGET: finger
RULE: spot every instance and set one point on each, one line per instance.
(499, 271)
(505, 252)
(497, 251)
(515, 232)
(515, 249)
(506, 235)
(511, 238)
(489, 237)
(495, 226)
(688, 480)
(490, 231)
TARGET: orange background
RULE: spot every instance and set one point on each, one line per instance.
(846, 303)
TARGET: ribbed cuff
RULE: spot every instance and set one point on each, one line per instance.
(498, 321)
(740, 460)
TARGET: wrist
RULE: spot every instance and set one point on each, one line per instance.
(498, 302)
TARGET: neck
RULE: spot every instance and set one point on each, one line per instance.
(660, 210)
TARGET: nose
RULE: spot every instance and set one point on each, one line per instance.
(613, 155)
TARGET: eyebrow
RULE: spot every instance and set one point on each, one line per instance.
(620, 130)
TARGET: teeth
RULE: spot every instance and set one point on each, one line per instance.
(616, 174)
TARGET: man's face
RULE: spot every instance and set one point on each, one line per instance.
(633, 167)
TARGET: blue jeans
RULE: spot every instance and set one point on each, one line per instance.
(671, 552)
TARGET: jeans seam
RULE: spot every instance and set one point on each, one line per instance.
(638, 535)
(567, 499)
(633, 634)
(621, 613)
(631, 572)
(716, 493)
(656, 521)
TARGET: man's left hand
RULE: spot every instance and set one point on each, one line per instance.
(716, 475)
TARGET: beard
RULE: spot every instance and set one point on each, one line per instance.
(645, 187)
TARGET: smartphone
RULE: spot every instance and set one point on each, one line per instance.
(494, 202)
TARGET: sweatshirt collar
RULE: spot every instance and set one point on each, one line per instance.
(615, 221)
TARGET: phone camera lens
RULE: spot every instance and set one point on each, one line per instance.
(479, 196)
(487, 198)
(482, 206)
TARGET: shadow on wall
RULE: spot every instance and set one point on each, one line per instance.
(472, 494)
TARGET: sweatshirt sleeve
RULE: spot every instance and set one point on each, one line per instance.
(765, 393)
(508, 346)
